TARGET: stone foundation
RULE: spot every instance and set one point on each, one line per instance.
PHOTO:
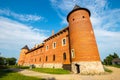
(26, 64)
(46, 65)
(52, 65)
(49, 65)
(86, 67)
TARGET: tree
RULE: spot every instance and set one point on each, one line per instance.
(108, 59)
(115, 55)
(2, 60)
(11, 61)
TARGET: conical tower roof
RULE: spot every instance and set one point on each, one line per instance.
(76, 7)
(25, 47)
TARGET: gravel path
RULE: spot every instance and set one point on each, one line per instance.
(115, 75)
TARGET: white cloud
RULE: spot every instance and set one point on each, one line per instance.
(22, 17)
(105, 21)
(14, 35)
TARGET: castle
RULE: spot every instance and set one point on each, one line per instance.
(73, 48)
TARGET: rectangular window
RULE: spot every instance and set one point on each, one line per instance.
(46, 48)
(46, 58)
(72, 53)
(53, 57)
(40, 59)
(64, 56)
(54, 45)
(64, 42)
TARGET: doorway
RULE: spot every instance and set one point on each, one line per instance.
(77, 68)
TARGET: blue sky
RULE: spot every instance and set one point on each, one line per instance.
(31, 21)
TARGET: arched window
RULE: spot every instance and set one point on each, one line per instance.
(64, 56)
(63, 41)
(47, 47)
(54, 45)
(53, 57)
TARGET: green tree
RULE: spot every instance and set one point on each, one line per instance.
(115, 55)
(11, 61)
(109, 58)
(2, 60)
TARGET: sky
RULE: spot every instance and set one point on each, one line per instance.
(29, 22)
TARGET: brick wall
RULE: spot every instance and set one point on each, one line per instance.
(38, 56)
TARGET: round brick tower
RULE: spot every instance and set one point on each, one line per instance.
(24, 50)
(84, 51)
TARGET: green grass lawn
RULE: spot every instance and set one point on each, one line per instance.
(10, 75)
(51, 70)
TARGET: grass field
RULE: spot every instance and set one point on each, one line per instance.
(10, 75)
(51, 70)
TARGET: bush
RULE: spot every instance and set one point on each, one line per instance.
(107, 70)
(118, 66)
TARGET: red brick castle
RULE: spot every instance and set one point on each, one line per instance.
(73, 48)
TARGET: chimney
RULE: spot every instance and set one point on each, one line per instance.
(52, 32)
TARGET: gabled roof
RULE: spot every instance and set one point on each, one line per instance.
(76, 7)
(35, 48)
(25, 47)
(116, 60)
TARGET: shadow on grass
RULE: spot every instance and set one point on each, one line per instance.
(7, 71)
(51, 79)
(4, 72)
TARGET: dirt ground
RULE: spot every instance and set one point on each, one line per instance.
(115, 75)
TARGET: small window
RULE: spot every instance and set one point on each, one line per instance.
(54, 45)
(64, 56)
(46, 47)
(46, 58)
(35, 60)
(53, 57)
(73, 19)
(63, 41)
(83, 16)
(72, 53)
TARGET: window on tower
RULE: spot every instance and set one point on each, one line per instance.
(83, 16)
(72, 53)
(73, 19)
